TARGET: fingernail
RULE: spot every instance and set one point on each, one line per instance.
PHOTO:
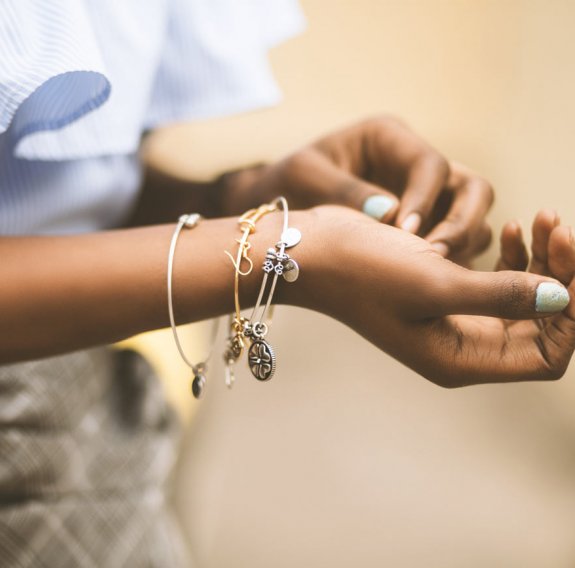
(377, 206)
(441, 248)
(411, 223)
(551, 298)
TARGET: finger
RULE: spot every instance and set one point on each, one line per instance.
(426, 178)
(313, 179)
(464, 219)
(480, 243)
(556, 340)
(506, 294)
(514, 255)
(545, 221)
(561, 258)
(332, 184)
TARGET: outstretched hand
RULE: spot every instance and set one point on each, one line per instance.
(454, 326)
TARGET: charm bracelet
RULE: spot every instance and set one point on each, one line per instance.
(261, 355)
(199, 369)
(236, 342)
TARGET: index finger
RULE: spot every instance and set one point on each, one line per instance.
(426, 178)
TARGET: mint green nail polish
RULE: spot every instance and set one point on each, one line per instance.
(551, 298)
(377, 206)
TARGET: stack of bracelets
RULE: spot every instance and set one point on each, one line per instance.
(244, 330)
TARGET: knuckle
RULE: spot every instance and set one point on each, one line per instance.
(387, 119)
(436, 162)
(486, 190)
(510, 296)
(455, 234)
(298, 163)
(383, 125)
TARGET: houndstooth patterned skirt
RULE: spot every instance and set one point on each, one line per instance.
(87, 445)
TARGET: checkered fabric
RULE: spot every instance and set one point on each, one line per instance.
(87, 445)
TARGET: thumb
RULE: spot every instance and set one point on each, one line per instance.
(376, 202)
(371, 199)
(505, 294)
(332, 184)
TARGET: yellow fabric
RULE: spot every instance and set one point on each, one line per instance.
(160, 350)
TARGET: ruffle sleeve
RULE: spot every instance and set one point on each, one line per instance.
(51, 70)
(85, 78)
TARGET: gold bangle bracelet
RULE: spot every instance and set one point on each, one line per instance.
(236, 344)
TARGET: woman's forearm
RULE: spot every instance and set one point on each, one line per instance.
(64, 293)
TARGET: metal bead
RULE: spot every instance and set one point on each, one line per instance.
(191, 220)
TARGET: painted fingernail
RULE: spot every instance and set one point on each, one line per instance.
(377, 206)
(441, 248)
(411, 223)
(551, 298)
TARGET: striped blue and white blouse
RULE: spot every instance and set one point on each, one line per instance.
(80, 80)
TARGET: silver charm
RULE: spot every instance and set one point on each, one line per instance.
(230, 376)
(291, 270)
(198, 385)
(275, 262)
(262, 360)
(269, 260)
(291, 237)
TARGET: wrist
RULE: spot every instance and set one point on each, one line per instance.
(313, 255)
(239, 190)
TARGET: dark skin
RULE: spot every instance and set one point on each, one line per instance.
(448, 323)
(454, 326)
(441, 200)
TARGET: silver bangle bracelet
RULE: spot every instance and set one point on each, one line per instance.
(261, 355)
(199, 369)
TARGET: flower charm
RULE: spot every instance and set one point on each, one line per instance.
(262, 360)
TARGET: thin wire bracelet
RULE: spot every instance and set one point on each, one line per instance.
(261, 355)
(247, 223)
(199, 370)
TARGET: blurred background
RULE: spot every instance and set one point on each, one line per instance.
(347, 458)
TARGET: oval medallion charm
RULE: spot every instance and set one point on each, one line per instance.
(262, 360)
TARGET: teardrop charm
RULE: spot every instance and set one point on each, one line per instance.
(198, 386)
(291, 270)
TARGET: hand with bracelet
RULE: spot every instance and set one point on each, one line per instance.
(89, 257)
(387, 284)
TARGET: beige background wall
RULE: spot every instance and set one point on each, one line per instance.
(346, 458)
